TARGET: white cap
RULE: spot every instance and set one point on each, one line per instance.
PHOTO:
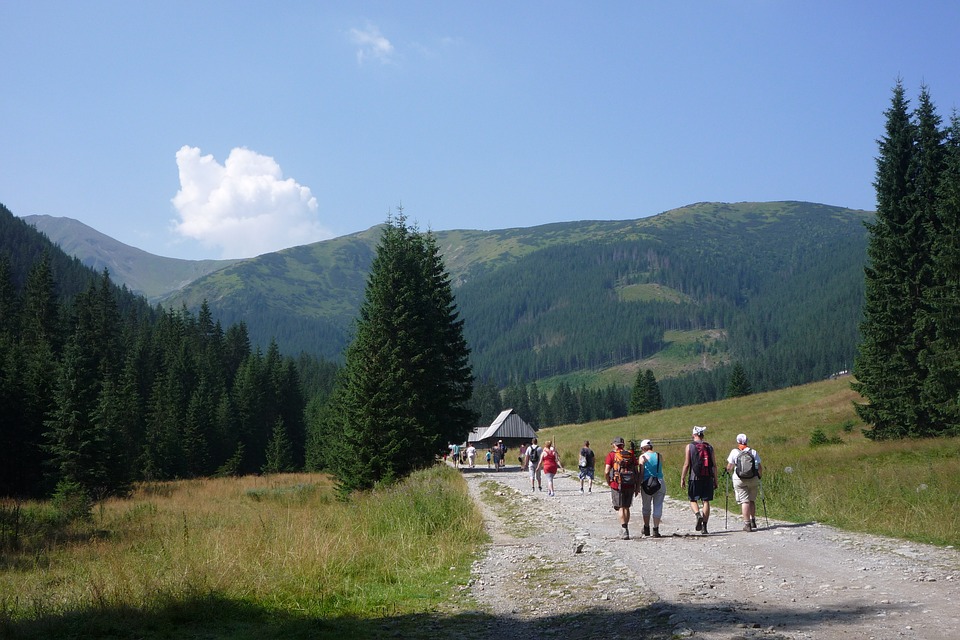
(741, 438)
(646, 443)
(698, 430)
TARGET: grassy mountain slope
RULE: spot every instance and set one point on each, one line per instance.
(144, 273)
(777, 285)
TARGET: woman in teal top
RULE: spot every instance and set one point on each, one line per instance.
(652, 466)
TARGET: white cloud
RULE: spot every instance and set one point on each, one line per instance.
(243, 207)
(372, 45)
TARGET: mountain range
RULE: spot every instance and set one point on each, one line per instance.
(777, 286)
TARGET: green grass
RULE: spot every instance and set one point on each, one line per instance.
(257, 557)
(904, 489)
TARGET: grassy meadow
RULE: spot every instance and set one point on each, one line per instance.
(905, 489)
(253, 557)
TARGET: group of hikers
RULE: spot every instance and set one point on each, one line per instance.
(629, 473)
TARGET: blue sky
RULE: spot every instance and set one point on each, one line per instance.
(227, 129)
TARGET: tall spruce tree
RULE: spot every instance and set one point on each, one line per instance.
(941, 356)
(885, 367)
(403, 389)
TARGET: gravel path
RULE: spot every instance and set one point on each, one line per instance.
(556, 568)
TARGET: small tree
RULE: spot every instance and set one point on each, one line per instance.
(279, 451)
(739, 385)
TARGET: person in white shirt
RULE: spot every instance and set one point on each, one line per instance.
(471, 454)
(746, 488)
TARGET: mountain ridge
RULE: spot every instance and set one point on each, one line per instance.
(589, 295)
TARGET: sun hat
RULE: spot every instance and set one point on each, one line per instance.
(741, 438)
(646, 443)
(698, 430)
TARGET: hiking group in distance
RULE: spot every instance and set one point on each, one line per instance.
(630, 474)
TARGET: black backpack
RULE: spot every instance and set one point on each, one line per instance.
(702, 460)
(534, 453)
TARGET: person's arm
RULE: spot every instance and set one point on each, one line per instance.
(606, 472)
(730, 465)
(686, 467)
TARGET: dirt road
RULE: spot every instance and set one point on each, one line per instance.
(556, 568)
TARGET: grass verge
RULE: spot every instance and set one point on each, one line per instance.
(255, 557)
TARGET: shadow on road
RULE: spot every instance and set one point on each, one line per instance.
(213, 617)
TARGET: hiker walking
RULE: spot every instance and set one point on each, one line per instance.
(585, 465)
(743, 464)
(497, 455)
(471, 454)
(455, 454)
(699, 476)
(550, 463)
(489, 458)
(532, 461)
(652, 465)
(620, 472)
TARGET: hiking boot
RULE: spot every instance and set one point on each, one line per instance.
(625, 534)
(646, 530)
(753, 524)
(747, 527)
(581, 489)
(656, 533)
(703, 530)
(699, 521)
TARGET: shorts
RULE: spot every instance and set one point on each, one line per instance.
(746, 489)
(586, 472)
(621, 499)
(699, 490)
(535, 471)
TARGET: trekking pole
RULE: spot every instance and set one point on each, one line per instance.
(763, 499)
(726, 504)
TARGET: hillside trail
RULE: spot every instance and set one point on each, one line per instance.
(557, 568)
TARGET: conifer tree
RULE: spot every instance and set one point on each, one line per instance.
(279, 455)
(739, 384)
(403, 389)
(941, 357)
(639, 394)
(654, 400)
(886, 365)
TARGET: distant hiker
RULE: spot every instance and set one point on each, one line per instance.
(522, 457)
(455, 454)
(585, 465)
(550, 463)
(471, 455)
(743, 464)
(652, 466)
(620, 472)
(489, 458)
(531, 459)
(699, 476)
(497, 455)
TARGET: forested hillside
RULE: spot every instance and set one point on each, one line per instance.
(100, 390)
(776, 286)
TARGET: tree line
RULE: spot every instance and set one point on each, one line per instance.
(100, 391)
